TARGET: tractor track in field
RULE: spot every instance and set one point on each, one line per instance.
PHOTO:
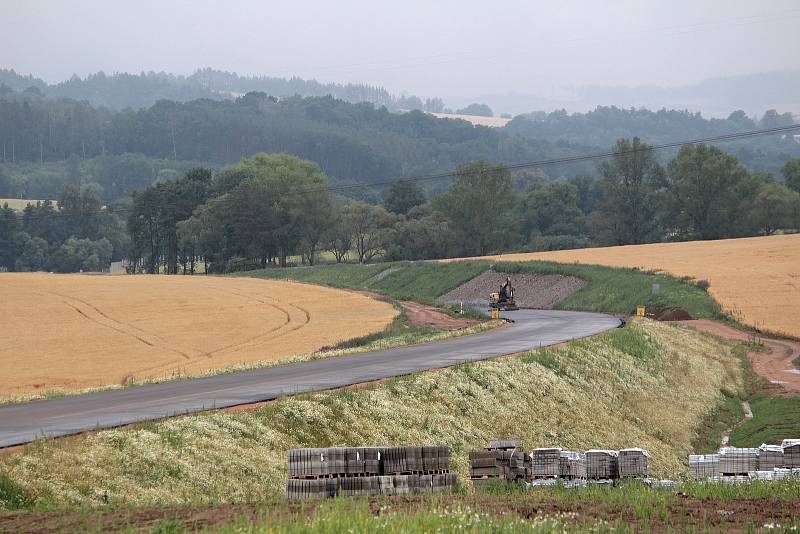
(92, 313)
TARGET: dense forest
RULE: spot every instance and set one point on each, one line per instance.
(214, 185)
(271, 207)
(350, 142)
(121, 90)
(603, 126)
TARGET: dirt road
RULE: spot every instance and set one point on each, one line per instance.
(775, 365)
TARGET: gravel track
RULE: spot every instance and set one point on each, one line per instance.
(531, 290)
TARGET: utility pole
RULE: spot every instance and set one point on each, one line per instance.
(174, 150)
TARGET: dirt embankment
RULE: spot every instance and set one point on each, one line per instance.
(530, 290)
(422, 315)
(775, 365)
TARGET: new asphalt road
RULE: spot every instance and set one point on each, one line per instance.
(22, 423)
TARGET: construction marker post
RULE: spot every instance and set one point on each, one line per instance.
(640, 311)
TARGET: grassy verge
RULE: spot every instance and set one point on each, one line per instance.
(648, 385)
(774, 419)
(621, 290)
(609, 289)
(417, 281)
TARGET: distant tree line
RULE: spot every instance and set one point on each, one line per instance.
(267, 208)
(135, 91)
(46, 144)
(604, 125)
(350, 142)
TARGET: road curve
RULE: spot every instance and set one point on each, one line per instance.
(23, 423)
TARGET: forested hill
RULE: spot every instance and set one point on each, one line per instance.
(121, 90)
(350, 142)
(603, 126)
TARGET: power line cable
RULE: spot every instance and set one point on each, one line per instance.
(526, 165)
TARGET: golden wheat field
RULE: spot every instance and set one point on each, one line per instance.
(755, 278)
(73, 332)
(17, 204)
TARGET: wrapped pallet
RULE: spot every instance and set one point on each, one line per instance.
(703, 466)
(632, 462)
(601, 464)
(545, 462)
(737, 461)
(507, 464)
(572, 465)
(780, 473)
(503, 445)
(791, 452)
(769, 457)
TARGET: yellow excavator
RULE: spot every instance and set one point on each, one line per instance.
(503, 299)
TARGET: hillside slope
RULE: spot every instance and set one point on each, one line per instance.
(650, 385)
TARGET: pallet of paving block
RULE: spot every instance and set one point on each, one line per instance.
(633, 463)
(311, 489)
(545, 462)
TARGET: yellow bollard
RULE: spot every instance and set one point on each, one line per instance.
(495, 313)
(640, 311)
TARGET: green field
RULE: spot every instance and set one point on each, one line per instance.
(774, 419)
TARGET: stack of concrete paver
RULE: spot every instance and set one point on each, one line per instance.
(791, 452)
(545, 463)
(501, 460)
(737, 460)
(572, 465)
(703, 466)
(632, 463)
(737, 465)
(548, 466)
(364, 471)
(770, 457)
(601, 464)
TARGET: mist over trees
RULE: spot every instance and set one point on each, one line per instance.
(350, 142)
(215, 185)
(119, 91)
(603, 126)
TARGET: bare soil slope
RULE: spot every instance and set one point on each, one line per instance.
(756, 279)
(73, 332)
(531, 290)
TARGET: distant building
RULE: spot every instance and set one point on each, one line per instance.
(119, 267)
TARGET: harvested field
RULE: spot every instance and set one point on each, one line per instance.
(72, 332)
(477, 120)
(531, 290)
(756, 279)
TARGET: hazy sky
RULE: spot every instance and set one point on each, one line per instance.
(448, 48)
